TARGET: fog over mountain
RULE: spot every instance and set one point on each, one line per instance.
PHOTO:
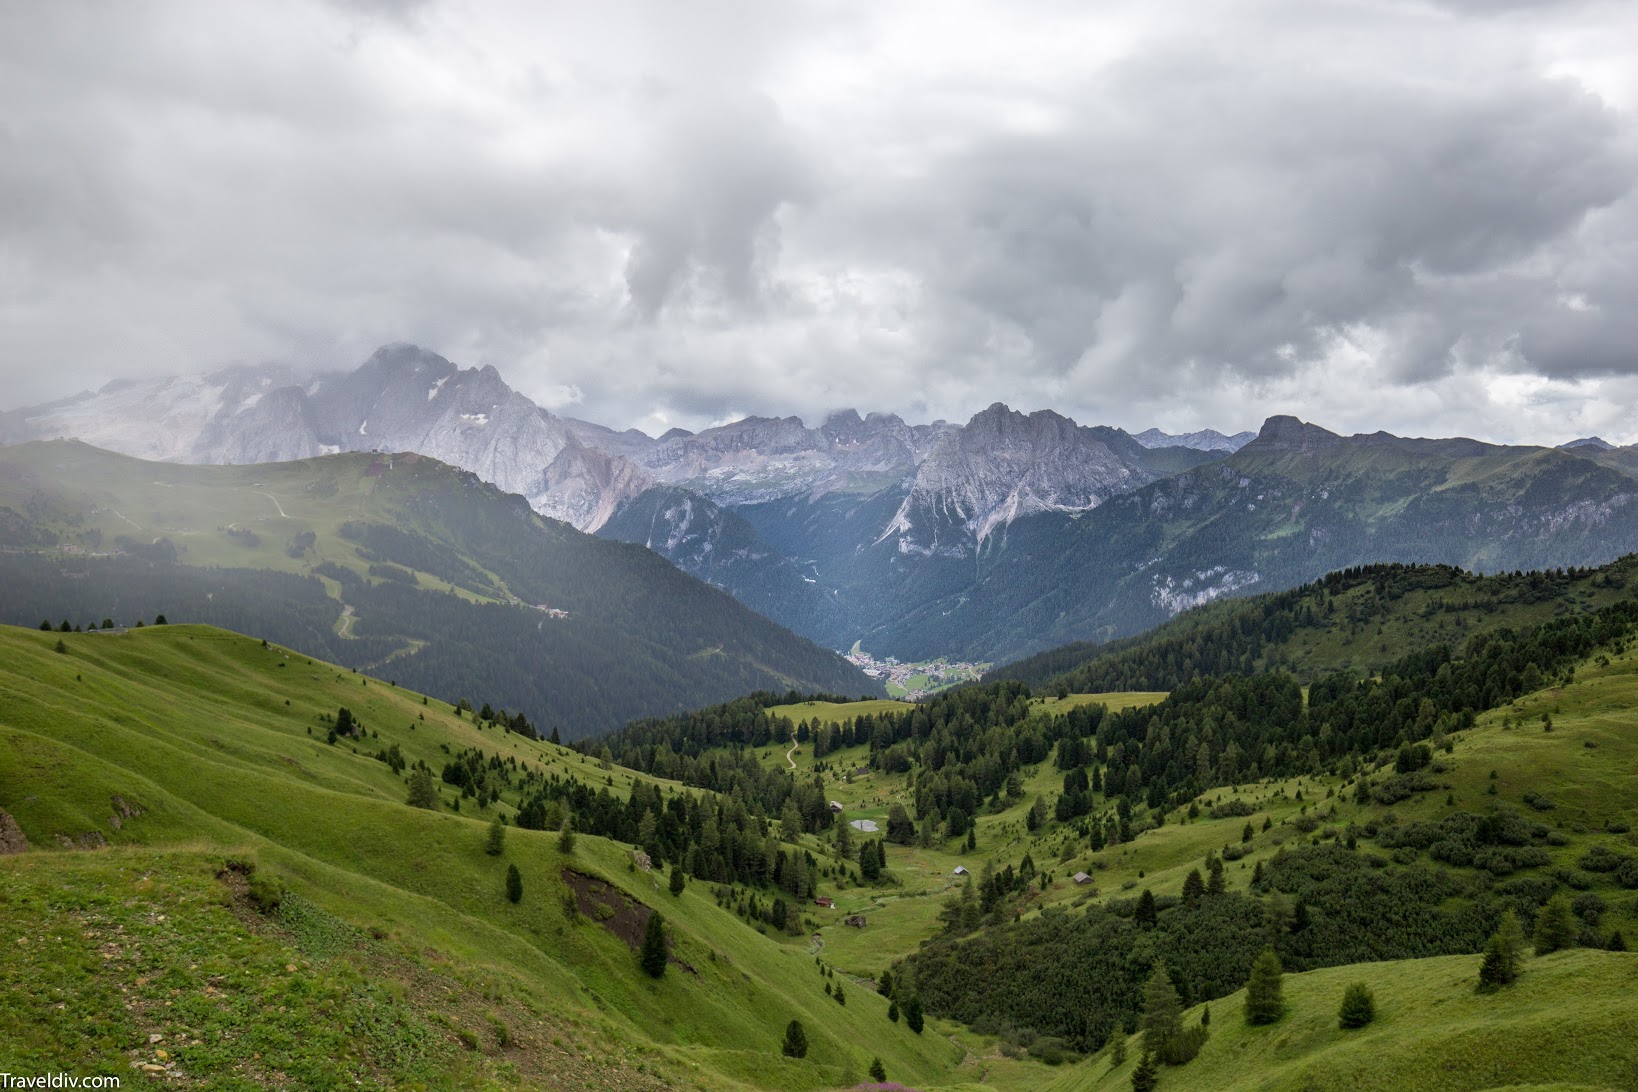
(1406, 216)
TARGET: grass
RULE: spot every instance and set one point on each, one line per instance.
(1569, 1022)
(190, 728)
(408, 959)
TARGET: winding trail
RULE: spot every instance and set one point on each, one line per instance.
(282, 513)
(790, 752)
(345, 626)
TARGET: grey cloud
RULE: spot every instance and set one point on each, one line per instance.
(687, 211)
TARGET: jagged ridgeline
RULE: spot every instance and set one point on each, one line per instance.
(395, 564)
(1357, 619)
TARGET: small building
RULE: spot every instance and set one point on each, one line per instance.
(836, 807)
(961, 870)
(1081, 877)
(855, 920)
(827, 903)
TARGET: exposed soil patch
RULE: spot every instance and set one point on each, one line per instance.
(609, 907)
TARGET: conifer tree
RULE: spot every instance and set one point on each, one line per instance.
(677, 879)
(878, 1072)
(884, 984)
(1493, 974)
(653, 956)
(497, 837)
(565, 838)
(1145, 913)
(796, 1040)
(913, 1018)
(1162, 1011)
(893, 1011)
(423, 793)
(1263, 1003)
(1555, 926)
(514, 883)
(1145, 1078)
(1193, 887)
(1215, 884)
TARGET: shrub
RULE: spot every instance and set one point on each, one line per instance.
(1358, 1007)
(514, 883)
(266, 892)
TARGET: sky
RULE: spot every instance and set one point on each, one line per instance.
(1412, 216)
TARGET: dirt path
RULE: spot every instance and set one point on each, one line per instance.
(346, 627)
(282, 513)
(790, 752)
(128, 519)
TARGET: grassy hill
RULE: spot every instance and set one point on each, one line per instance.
(1567, 1023)
(171, 758)
(376, 560)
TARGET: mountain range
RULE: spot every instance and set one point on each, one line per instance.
(986, 540)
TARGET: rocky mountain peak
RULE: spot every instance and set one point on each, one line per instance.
(1286, 433)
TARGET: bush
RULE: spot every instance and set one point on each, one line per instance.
(266, 892)
(1358, 1007)
(1182, 1047)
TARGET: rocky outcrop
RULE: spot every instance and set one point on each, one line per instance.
(585, 487)
(12, 839)
(1284, 434)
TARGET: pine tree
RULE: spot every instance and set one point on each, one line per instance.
(1215, 884)
(653, 956)
(1193, 887)
(1617, 942)
(1512, 939)
(893, 1011)
(514, 883)
(913, 1018)
(497, 837)
(796, 1040)
(61, 647)
(1263, 1004)
(1358, 1007)
(1493, 974)
(565, 838)
(1555, 926)
(1145, 913)
(1117, 1053)
(1162, 1011)
(884, 984)
(841, 998)
(878, 1072)
(1144, 1076)
(677, 879)
(423, 793)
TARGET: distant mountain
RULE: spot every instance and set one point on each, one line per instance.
(1595, 442)
(398, 563)
(986, 539)
(1205, 440)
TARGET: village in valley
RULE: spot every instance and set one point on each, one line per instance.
(914, 681)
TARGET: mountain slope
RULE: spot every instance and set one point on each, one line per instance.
(1295, 504)
(389, 559)
(1361, 619)
(395, 957)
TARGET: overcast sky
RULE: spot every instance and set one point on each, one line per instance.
(1414, 216)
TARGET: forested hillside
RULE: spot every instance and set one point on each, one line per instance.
(1355, 619)
(396, 563)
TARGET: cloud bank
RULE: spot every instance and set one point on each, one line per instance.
(1413, 216)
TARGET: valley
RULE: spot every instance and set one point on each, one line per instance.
(914, 681)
